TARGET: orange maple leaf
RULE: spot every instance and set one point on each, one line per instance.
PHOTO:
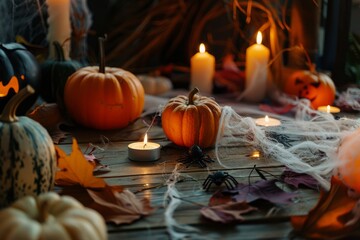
(75, 169)
(330, 217)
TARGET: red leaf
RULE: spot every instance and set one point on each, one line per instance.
(263, 189)
(331, 217)
(227, 213)
(299, 179)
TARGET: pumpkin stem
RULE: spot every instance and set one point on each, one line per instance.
(102, 54)
(43, 211)
(9, 112)
(191, 96)
(59, 51)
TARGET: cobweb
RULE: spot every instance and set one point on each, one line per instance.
(306, 144)
(22, 17)
(28, 19)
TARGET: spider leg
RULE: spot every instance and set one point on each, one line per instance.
(208, 158)
(206, 182)
(201, 163)
(228, 184)
(208, 187)
(233, 180)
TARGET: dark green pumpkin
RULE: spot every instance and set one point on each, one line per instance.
(54, 74)
(19, 65)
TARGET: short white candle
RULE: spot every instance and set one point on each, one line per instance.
(202, 70)
(59, 26)
(267, 122)
(256, 69)
(144, 151)
(328, 109)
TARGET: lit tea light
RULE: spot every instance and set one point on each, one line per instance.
(144, 151)
(328, 109)
(255, 154)
(267, 122)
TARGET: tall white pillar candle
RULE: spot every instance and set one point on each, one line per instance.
(202, 70)
(59, 26)
(256, 70)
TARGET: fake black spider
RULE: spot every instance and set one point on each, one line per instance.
(219, 178)
(195, 155)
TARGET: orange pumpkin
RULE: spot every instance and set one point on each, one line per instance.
(108, 100)
(103, 98)
(317, 87)
(349, 157)
(191, 120)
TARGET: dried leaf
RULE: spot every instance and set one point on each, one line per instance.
(299, 179)
(227, 213)
(98, 166)
(118, 205)
(263, 189)
(75, 169)
(330, 218)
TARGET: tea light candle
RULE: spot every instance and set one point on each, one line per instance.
(202, 70)
(144, 151)
(257, 58)
(328, 109)
(59, 26)
(267, 122)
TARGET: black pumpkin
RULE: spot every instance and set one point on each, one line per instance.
(54, 74)
(17, 66)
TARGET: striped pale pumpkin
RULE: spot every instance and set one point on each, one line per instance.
(27, 154)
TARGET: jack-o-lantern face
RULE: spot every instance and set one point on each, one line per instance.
(18, 68)
(317, 87)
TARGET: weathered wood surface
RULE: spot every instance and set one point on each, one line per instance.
(149, 180)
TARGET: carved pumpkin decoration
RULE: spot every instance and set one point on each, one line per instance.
(103, 98)
(317, 87)
(18, 68)
(50, 216)
(27, 154)
(54, 74)
(191, 120)
(349, 157)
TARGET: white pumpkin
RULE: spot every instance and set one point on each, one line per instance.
(27, 154)
(52, 217)
(155, 85)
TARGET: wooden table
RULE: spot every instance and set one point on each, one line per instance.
(148, 179)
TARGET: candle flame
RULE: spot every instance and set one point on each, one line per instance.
(259, 38)
(328, 109)
(202, 48)
(267, 119)
(145, 140)
(255, 154)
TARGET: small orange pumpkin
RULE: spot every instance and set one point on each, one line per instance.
(103, 98)
(191, 120)
(317, 87)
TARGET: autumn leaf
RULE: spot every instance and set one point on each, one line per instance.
(263, 189)
(227, 213)
(75, 169)
(299, 179)
(332, 217)
(118, 205)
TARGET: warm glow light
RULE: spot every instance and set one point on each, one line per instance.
(145, 139)
(255, 154)
(13, 83)
(202, 48)
(328, 108)
(258, 38)
(266, 118)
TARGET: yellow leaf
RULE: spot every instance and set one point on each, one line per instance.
(75, 169)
